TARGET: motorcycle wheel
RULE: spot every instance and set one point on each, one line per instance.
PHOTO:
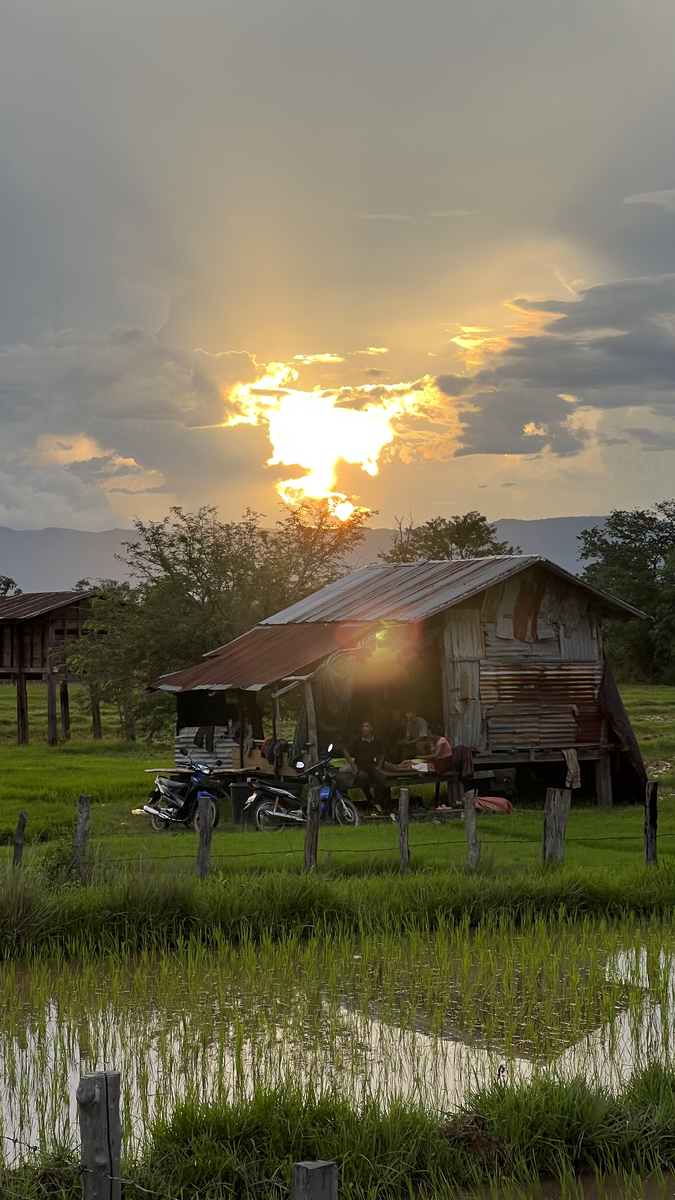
(215, 816)
(157, 823)
(263, 821)
(346, 812)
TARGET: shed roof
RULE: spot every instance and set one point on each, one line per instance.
(36, 604)
(415, 591)
(262, 656)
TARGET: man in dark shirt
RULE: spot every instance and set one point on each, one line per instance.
(365, 755)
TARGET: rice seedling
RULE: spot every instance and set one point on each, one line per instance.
(424, 1019)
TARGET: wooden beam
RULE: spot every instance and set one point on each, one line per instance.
(473, 844)
(603, 782)
(651, 821)
(52, 731)
(21, 710)
(312, 828)
(311, 722)
(403, 821)
(556, 813)
(18, 840)
(65, 709)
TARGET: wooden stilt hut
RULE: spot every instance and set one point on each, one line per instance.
(34, 628)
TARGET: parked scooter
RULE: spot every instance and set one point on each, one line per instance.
(272, 807)
(176, 802)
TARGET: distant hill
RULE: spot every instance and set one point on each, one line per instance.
(55, 559)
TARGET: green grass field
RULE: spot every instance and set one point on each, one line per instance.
(45, 781)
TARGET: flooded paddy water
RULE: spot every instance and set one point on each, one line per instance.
(427, 1017)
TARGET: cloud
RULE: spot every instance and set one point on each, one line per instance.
(653, 439)
(388, 217)
(663, 199)
(317, 358)
(94, 426)
(611, 348)
(372, 351)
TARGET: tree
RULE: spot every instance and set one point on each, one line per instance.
(8, 586)
(632, 556)
(468, 536)
(197, 583)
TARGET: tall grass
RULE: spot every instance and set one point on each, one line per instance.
(508, 1136)
(139, 911)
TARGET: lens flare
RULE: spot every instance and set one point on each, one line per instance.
(316, 430)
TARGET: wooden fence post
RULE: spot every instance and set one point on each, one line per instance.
(556, 812)
(312, 830)
(98, 1103)
(315, 1181)
(470, 828)
(651, 819)
(81, 834)
(403, 822)
(18, 839)
(205, 813)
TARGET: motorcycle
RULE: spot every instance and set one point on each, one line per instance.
(176, 802)
(271, 807)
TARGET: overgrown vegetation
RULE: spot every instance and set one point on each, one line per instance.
(142, 909)
(632, 556)
(199, 582)
(467, 536)
(506, 1135)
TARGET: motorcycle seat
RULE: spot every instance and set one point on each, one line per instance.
(175, 786)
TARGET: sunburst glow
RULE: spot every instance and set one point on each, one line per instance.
(317, 429)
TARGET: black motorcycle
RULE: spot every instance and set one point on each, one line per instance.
(272, 807)
(176, 802)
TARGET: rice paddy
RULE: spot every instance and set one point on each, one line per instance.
(434, 1034)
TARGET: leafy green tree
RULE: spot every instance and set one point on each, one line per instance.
(632, 556)
(467, 536)
(197, 583)
(8, 586)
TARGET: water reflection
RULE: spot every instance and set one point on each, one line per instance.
(233, 1045)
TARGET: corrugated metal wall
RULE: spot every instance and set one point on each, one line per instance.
(524, 670)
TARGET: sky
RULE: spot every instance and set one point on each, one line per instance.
(415, 255)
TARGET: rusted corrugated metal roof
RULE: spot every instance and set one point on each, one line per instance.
(263, 656)
(414, 591)
(36, 604)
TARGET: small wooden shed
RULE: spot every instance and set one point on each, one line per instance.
(505, 654)
(34, 628)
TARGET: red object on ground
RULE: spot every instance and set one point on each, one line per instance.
(493, 804)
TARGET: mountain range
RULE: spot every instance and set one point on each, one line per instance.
(46, 560)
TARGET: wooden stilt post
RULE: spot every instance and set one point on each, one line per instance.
(98, 1103)
(315, 1181)
(205, 811)
(556, 812)
(651, 820)
(312, 829)
(470, 828)
(81, 834)
(65, 709)
(311, 721)
(21, 710)
(96, 729)
(403, 822)
(52, 730)
(18, 840)
(603, 782)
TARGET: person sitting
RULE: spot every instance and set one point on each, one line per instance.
(365, 756)
(416, 731)
(440, 758)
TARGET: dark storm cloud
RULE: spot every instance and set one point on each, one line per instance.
(612, 348)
